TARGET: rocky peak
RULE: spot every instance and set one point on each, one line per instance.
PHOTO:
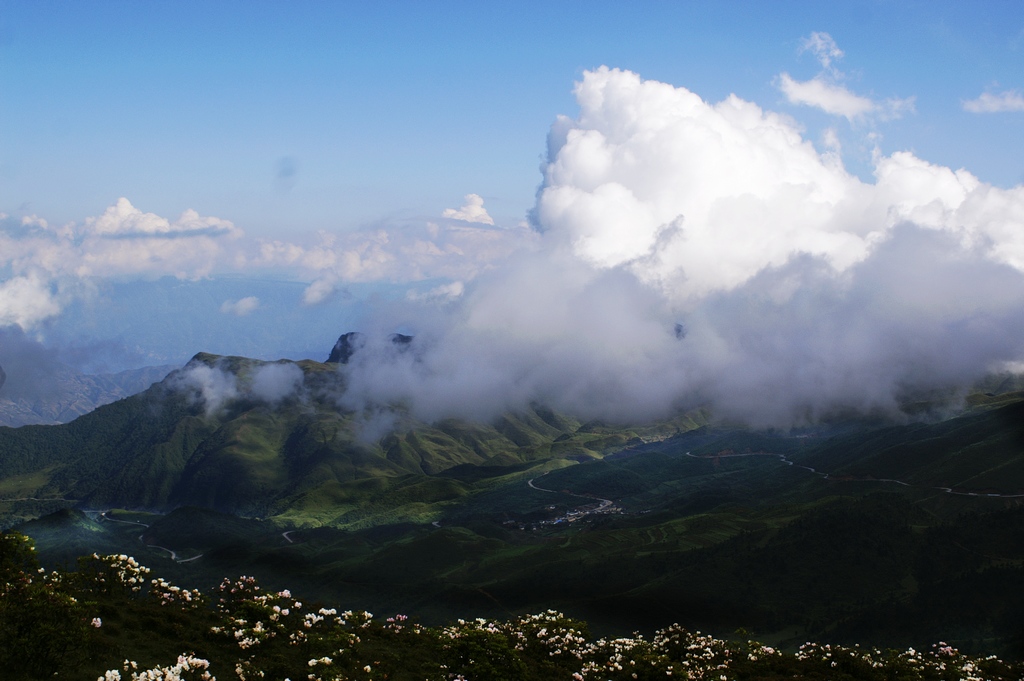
(349, 342)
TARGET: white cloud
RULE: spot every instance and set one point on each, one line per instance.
(701, 197)
(803, 290)
(829, 97)
(209, 386)
(651, 177)
(442, 293)
(1010, 100)
(214, 386)
(895, 107)
(122, 242)
(240, 308)
(832, 145)
(31, 221)
(833, 98)
(472, 211)
(408, 253)
(125, 220)
(319, 291)
(26, 301)
(276, 381)
(823, 47)
(826, 92)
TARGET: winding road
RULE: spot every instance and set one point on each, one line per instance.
(174, 556)
(605, 503)
(784, 459)
(827, 476)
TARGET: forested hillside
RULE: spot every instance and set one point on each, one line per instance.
(849, 532)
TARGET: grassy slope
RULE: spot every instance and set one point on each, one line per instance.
(301, 459)
(718, 541)
(715, 543)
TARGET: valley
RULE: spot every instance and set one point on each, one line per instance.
(876, 533)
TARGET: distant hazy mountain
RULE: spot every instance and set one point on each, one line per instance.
(67, 394)
(166, 321)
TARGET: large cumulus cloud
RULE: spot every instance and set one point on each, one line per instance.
(683, 253)
(700, 197)
(707, 254)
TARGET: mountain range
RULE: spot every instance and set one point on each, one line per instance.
(65, 394)
(298, 456)
(856, 531)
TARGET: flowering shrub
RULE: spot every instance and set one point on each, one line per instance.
(115, 574)
(187, 668)
(482, 650)
(52, 623)
(941, 663)
(253, 617)
(166, 593)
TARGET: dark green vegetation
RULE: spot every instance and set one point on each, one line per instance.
(112, 619)
(299, 458)
(889, 535)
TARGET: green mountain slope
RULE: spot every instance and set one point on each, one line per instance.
(298, 455)
(981, 452)
(852, 532)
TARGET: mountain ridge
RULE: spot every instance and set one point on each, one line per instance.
(834, 531)
(67, 394)
(209, 435)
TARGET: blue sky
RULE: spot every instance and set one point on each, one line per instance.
(385, 111)
(826, 198)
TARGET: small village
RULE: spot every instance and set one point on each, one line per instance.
(603, 507)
